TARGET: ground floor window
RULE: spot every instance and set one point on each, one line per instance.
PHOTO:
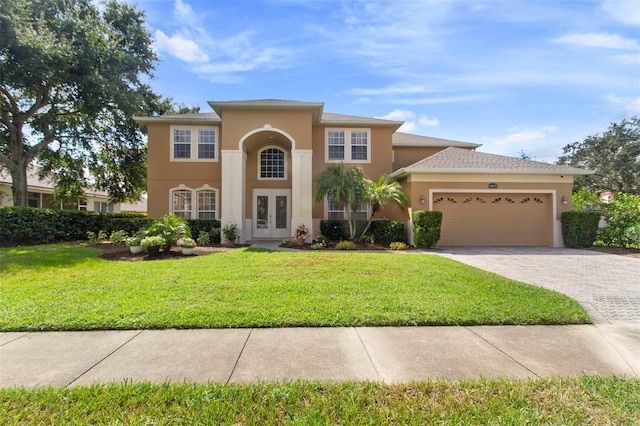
(190, 203)
(335, 211)
(102, 206)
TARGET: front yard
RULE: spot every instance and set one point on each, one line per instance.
(68, 287)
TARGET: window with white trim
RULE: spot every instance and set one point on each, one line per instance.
(272, 164)
(181, 203)
(194, 143)
(348, 145)
(335, 211)
(206, 204)
(189, 203)
(206, 143)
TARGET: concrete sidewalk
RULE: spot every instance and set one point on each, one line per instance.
(388, 354)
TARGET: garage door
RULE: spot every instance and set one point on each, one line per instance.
(480, 219)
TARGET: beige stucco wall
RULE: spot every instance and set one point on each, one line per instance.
(404, 156)
(163, 174)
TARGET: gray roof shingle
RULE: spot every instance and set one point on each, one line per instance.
(408, 139)
(457, 160)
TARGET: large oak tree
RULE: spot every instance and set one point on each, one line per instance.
(72, 75)
(614, 155)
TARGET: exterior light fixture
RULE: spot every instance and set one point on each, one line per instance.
(564, 200)
(421, 199)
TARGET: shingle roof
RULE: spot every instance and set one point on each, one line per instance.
(407, 139)
(190, 117)
(458, 160)
(330, 118)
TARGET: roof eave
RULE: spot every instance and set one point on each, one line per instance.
(395, 125)
(315, 107)
(179, 120)
(411, 170)
(465, 145)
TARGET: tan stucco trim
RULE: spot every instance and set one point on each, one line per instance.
(266, 128)
(417, 172)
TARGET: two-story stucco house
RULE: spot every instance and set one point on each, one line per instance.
(255, 163)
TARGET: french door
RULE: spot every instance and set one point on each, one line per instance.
(271, 213)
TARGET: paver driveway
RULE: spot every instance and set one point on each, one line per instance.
(607, 285)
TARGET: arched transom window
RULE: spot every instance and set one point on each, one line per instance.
(272, 164)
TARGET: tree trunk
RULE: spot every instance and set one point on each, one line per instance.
(19, 178)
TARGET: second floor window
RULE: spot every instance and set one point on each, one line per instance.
(272, 164)
(194, 143)
(347, 145)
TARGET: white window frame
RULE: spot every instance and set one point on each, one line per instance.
(362, 208)
(286, 165)
(99, 205)
(348, 157)
(194, 210)
(187, 211)
(216, 202)
(195, 143)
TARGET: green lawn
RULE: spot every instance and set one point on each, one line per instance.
(68, 287)
(576, 401)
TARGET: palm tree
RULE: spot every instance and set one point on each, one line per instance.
(345, 186)
(380, 194)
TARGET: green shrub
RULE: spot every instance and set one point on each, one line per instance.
(204, 239)
(29, 226)
(426, 228)
(334, 230)
(387, 231)
(622, 215)
(346, 245)
(170, 228)
(397, 245)
(579, 228)
(118, 237)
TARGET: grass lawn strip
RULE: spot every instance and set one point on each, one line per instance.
(584, 400)
(68, 287)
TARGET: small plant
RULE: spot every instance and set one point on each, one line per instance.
(302, 231)
(170, 228)
(118, 237)
(288, 243)
(97, 239)
(186, 242)
(231, 232)
(346, 245)
(369, 238)
(397, 245)
(321, 239)
(152, 241)
(204, 239)
(317, 246)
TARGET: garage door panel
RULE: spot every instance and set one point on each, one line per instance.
(494, 219)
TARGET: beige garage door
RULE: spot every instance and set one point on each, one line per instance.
(471, 219)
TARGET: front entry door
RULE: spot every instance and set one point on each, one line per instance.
(271, 213)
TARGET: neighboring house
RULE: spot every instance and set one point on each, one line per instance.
(40, 195)
(254, 163)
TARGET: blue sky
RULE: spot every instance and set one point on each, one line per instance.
(513, 75)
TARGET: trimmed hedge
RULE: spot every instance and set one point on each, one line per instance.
(426, 228)
(579, 228)
(212, 227)
(384, 231)
(29, 226)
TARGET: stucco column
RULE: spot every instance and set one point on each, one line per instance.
(233, 190)
(301, 189)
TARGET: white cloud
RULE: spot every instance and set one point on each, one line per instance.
(391, 90)
(412, 122)
(605, 40)
(626, 11)
(180, 47)
(525, 136)
(221, 59)
(629, 105)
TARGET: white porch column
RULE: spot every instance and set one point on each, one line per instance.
(233, 190)
(301, 189)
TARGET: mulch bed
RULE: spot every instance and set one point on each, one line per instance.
(122, 252)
